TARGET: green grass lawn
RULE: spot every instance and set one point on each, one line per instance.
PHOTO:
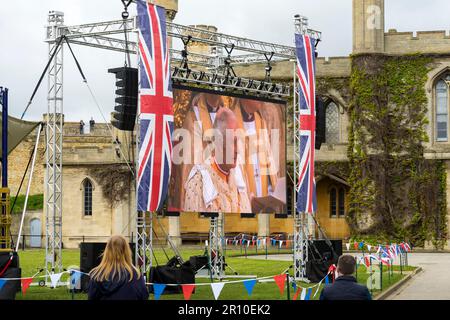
(32, 261)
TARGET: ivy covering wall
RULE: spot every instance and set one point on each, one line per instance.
(395, 193)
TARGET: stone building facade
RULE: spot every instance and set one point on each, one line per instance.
(86, 156)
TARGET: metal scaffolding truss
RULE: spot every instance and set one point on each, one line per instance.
(216, 245)
(144, 241)
(236, 83)
(53, 156)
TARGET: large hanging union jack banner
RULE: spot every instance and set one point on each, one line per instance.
(306, 59)
(156, 112)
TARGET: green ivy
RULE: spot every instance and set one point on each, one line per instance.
(395, 193)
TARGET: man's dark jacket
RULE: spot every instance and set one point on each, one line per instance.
(123, 289)
(345, 288)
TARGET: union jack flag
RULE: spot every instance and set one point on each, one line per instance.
(156, 112)
(306, 59)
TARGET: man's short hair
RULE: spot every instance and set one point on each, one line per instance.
(346, 265)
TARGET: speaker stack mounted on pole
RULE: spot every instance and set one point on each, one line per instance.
(124, 117)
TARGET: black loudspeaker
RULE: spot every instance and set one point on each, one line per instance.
(179, 274)
(198, 262)
(209, 214)
(171, 214)
(124, 117)
(90, 257)
(248, 215)
(321, 115)
(10, 288)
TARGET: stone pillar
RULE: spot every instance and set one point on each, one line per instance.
(174, 230)
(368, 26)
(263, 225)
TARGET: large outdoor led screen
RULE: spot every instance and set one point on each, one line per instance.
(229, 154)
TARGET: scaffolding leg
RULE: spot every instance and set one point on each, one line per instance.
(300, 245)
(216, 238)
(144, 242)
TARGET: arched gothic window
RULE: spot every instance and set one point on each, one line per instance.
(333, 202)
(442, 106)
(337, 202)
(332, 123)
(341, 202)
(87, 197)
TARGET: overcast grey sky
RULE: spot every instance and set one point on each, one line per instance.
(23, 54)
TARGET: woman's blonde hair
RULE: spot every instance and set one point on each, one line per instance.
(116, 261)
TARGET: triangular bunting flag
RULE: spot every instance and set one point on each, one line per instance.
(294, 286)
(187, 290)
(308, 294)
(158, 289)
(347, 245)
(355, 245)
(303, 295)
(369, 247)
(2, 283)
(281, 244)
(280, 280)
(327, 281)
(297, 293)
(54, 278)
(249, 285)
(217, 289)
(26, 282)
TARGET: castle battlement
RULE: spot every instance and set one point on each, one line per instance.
(333, 67)
(414, 42)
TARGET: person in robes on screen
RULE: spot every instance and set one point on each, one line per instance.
(211, 186)
(199, 119)
(115, 278)
(260, 168)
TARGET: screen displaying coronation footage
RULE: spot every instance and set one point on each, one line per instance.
(229, 154)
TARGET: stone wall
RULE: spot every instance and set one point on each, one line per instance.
(422, 41)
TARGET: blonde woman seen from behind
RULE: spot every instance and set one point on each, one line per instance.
(116, 278)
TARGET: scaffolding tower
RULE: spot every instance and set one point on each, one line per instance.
(54, 139)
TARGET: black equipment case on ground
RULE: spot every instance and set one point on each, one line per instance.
(321, 256)
(10, 288)
(172, 273)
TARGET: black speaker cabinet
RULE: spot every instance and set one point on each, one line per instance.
(90, 257)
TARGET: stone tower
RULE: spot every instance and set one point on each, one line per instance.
(368, 26)
(170, 5)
